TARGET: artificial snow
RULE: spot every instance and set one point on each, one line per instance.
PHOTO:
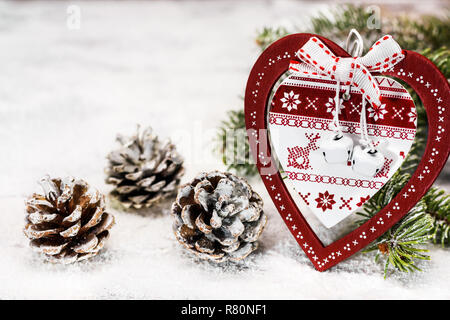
(177, 66)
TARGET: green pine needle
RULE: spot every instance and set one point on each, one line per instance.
(232, 144)
(268, 35)
(402, 244)
(437, 204)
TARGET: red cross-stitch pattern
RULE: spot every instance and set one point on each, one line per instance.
(325, 201)
(299, 156)
(385, 169)
(325, 90)
(305, 197)
(351, 127)
(346, 203)
(362, 201)
(340, 181)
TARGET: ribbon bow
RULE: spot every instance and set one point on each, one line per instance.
(384, 54)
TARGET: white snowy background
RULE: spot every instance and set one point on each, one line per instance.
(178, 66)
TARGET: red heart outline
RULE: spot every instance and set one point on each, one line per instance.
(271, 64)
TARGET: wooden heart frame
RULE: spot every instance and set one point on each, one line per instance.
(419, 73)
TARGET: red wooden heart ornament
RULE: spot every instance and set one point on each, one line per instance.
(418, 72)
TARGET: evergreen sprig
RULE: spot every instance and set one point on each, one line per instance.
(440, 57)
(268, 35)
(403, 244)
(336, 24)
(232, 134)
(437, 203)
(419, 33)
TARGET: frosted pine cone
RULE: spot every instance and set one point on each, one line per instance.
(68, 222)
(218, 217)
(143, 171)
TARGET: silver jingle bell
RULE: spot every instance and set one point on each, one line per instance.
(367, 162)
(337, 148)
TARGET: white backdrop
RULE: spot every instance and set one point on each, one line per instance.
(178, 66)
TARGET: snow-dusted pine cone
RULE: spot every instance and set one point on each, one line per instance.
(67, 222)
(218, 217)
(143, 170)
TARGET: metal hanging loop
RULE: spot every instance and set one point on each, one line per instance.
(354, 45)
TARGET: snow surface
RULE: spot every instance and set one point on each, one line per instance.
(177, 66)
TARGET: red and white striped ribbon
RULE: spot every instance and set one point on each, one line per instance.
(355, 71)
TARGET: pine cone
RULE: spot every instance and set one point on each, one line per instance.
(218, 217)
(68, 222)
(143, 170)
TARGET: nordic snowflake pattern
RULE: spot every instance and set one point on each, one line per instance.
(412, 115)
(325, 201)
(304, 166)
(290, 100)
(377, 112)
(331, 106)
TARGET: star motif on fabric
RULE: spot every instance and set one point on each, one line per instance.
(325, 201)
(412, 115)
(377, 112)
(331, 106)
(290, 100)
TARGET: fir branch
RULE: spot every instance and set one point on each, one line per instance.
(437, 204)
(336, 24)
(440, 57)
(419, 33)
(233, 144)
(268, 35)
(402, 245)
(416, 33)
